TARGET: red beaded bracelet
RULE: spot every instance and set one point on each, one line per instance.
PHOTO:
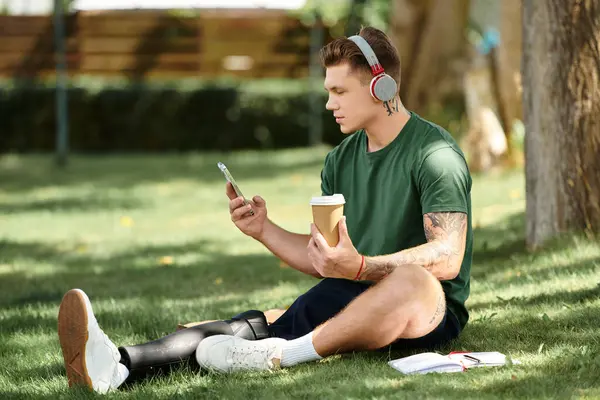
(362, 264)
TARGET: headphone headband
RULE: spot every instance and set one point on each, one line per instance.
(382, 87)
(369, 54)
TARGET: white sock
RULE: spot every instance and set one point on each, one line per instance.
(299, 351)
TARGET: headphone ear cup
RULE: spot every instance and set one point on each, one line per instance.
(372, 87)
(383, 87)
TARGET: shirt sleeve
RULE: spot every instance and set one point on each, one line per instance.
(444, 182)
(327, 177)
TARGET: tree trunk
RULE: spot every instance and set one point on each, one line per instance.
(406, 23)
(561, 73)
(508, 61)
(430, 37)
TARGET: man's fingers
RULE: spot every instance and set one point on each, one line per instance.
(343, 231)
(259, 201)
(235, 203)
(312, 253)
(318, 238)
(313, 230)
(229, 191)
(239, 212)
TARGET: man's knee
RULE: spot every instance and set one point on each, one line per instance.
(412, 275)
(420, 300)
(410, 283)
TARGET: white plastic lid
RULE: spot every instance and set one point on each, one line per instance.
(328, 200)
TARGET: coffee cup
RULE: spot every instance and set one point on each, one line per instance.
(327, 212)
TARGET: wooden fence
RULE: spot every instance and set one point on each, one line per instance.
(143, 44)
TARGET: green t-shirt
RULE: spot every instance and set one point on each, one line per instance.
(387, 192)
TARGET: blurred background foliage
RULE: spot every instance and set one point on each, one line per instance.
(450, 52)
(182, 115)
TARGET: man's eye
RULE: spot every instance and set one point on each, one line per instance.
(340, 92)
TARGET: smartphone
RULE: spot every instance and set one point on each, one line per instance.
(230, 179)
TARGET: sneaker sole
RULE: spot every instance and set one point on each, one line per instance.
(73, 336)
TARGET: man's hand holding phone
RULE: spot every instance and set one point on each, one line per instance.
(251, 225)
(248, 216)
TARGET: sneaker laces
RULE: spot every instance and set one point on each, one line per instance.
(251, 357)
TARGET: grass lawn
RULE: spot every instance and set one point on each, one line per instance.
(150, 240)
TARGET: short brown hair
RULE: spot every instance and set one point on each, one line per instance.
(343, 50)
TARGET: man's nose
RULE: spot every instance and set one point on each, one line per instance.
(330, 105)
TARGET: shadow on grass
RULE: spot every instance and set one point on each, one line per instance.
(31, 395)
(119, 172)
(73, 204)
(47, 372)
(135, 276)
(524, 330)
(554, 300)
(212, 281)
(9, 251)
(370, 377)
(500, 241)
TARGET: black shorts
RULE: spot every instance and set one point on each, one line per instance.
(330, 296)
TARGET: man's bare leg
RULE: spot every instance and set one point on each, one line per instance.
(409, 303)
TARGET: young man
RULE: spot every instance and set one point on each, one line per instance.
(398, 276)
(400, 273)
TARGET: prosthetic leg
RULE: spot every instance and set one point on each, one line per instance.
(178, 348)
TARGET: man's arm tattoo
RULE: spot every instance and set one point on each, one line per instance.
(449, 229)
(445, 234)
(444, 225)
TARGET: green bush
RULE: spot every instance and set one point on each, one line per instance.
(162, 117)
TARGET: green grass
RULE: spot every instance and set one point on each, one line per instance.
(108, 225)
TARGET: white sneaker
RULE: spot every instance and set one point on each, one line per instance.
(91, 359)
(224, 353)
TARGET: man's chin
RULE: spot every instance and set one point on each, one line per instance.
(346, 130)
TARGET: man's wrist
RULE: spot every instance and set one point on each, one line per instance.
(264, 232)
(361, 268)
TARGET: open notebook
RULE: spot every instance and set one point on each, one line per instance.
(454, 362)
